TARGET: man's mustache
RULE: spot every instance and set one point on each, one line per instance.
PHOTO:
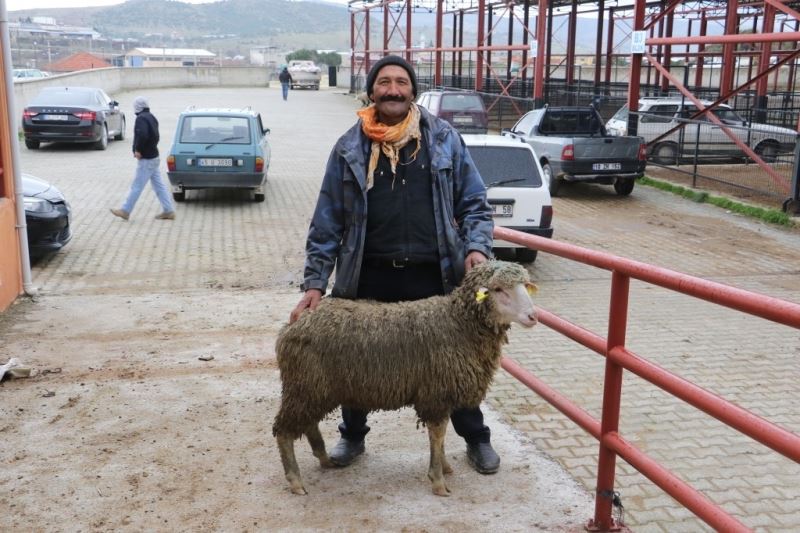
(393, 98)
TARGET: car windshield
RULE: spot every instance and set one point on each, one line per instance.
(62, 97)
(506, 164)
(462, 102)
(215, 129)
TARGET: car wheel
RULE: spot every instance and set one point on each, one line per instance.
(624, 186)
(31, 145)
(121, 135)
(666, 154)
(179, 196)
(553, 182)
(526, 255)
(259, 197)
(102, 143)
(768, 151)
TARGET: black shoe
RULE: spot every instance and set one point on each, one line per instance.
(346, 451)
(483, 458)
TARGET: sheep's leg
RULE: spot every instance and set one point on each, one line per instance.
(318, 446)
(446, 468)
(436, 432)
(290, 468)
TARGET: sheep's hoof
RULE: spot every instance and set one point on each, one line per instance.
(299, 489)
(440, 489)
(446, 468)
(325, 462)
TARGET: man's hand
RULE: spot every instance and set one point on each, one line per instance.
(310, 301)
(474, 258)
(137, 155)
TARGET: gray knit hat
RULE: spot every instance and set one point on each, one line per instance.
(140, 104)
(390, 60)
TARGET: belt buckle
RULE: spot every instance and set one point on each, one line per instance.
(398, 263)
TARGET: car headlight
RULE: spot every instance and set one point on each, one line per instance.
(38, 205)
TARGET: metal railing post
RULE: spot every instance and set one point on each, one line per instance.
(612, 399)
(791, 205)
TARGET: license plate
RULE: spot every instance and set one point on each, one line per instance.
(216, 162)
(607, 166)
(55, 117)
(463, 119)
(502, 210)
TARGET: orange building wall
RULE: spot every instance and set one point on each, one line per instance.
(10, 269)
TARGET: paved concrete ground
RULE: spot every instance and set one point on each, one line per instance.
(229, 257)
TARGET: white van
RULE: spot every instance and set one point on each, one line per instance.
(515, 189)
(659, 115)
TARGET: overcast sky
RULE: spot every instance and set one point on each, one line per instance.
(14, 5)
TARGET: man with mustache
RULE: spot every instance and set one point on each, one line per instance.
(402, 215)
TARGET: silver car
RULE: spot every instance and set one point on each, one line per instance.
(659, 115)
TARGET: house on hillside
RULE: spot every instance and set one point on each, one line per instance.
(79, 61)
(170, 57)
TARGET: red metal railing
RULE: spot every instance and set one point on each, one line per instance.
(618, 359)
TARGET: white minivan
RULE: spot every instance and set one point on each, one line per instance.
(516, 192)
(658, 115)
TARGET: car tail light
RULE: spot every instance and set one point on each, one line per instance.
(547, 216)
(642, 152)
(171, 163)
(568, 153)
(259, 164)
(86, 115)
(29, 114)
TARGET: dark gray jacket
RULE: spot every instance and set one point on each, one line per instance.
(336, 235)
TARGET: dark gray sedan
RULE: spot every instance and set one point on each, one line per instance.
(74, 115)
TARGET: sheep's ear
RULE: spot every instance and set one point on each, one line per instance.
(481, 294)
(531, 288)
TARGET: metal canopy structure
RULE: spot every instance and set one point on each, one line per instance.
(712, 50)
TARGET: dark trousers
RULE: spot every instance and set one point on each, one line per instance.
(386, 283)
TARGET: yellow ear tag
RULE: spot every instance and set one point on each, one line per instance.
(481, 294)
(531, 288)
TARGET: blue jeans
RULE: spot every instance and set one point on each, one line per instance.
(147, 170)
(285, 89)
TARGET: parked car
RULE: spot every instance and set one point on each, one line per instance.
(463, 109)
(28, 74)
(659, 115)
(572, 145)
(74, 115)
(219, 148)
(47, 215)
(518, 196)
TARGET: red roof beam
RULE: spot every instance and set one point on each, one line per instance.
(783, 7)
(740, 38)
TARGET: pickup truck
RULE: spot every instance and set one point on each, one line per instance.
(572, 145)
(305, 74)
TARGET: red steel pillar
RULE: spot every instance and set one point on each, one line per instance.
(437, 73)
(635, 71)
(698, 73)
(728, 62)
(609, 44)
(541, 30)
(409, 42)
(479, 65)
(763, 64)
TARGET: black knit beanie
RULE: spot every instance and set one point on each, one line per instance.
(390, 60)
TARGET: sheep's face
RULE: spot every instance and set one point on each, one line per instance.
(510, 291)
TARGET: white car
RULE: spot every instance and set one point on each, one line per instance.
(658, 115)
(513, 177)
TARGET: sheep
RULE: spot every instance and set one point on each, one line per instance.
(435, 354)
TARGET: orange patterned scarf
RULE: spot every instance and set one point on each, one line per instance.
(388, 139)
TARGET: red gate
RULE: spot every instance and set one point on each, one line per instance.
(618, 358)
